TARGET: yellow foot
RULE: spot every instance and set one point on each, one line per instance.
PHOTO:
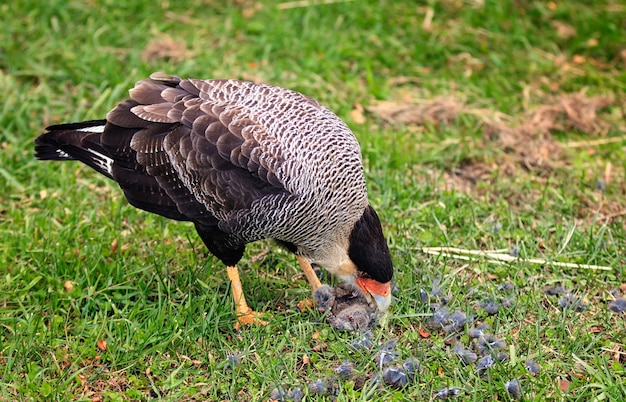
(249, 317)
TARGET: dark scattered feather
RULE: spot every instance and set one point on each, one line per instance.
(618, 305)
(344, 370)
(447, 392)
(395, 376)
(514, 389)
(571, 301)
(532, 367)
(364, 342)
(490, 307)
(555, 290)
(485, 363)
(466, 356)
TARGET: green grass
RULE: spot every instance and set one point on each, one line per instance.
(162, 303)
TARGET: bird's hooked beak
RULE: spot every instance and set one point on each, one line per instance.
(376, 292)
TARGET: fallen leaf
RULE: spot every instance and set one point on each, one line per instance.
(306, 360)
(68, 286)
(578, 59)
(356, 114)
(319, 348)
(114, 246)
(102, 344)
(563, 384)
(423, 333)
(305, 304)
(563, 30)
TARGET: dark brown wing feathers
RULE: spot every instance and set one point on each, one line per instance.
(195, 150)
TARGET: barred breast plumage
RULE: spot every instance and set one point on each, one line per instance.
(243, 162)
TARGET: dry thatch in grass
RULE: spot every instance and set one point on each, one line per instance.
(443, 109)
(165, 47)
(531, 142)
(526, 143)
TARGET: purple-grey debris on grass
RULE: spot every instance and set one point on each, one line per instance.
(571, 301)
(485, 363)
(513, 389)
(318, 387)
(491, 307)
(395, 376)
(555, 290)
(439, 318)
(447, 392)
(410, 366)
(278, 394)
(532, 367)
(345, 370)
(506, 287)
(502, 357)
(424, 296)
(364, 342)
(296, 395)
(466, 356)
(508, 302)
(618, 305)
(232, 361)
(489, 343)
(385, 357)
(475, 333)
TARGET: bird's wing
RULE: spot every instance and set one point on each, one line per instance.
(203, 144)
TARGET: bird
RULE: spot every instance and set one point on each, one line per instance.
(243, 162)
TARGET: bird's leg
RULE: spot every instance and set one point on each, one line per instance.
(309, 273)
(313, 280)
(245, 315)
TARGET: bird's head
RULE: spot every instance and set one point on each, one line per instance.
(372, 269)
